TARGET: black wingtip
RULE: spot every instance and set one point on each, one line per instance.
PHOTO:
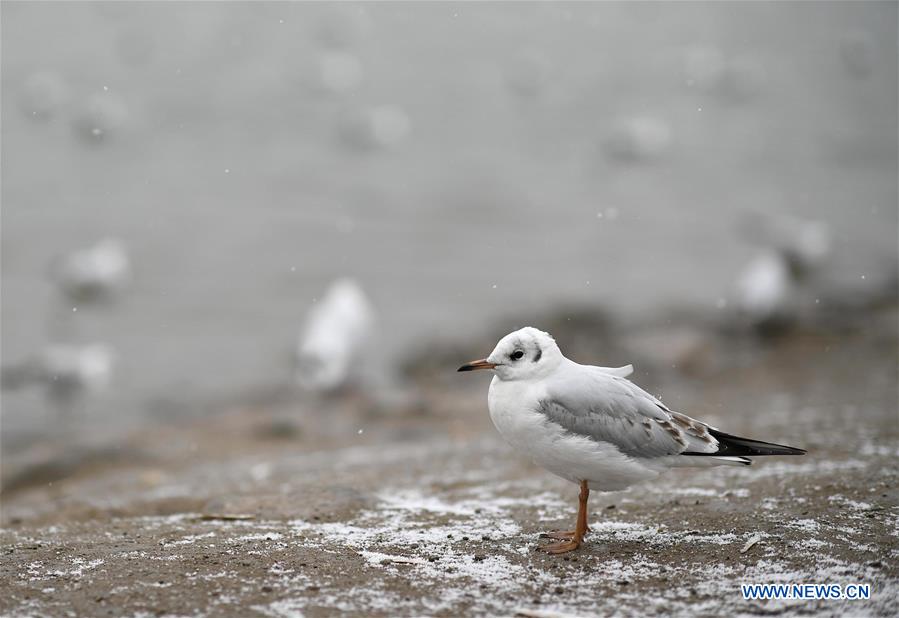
(735, 446)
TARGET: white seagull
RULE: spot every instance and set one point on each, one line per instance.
(768, 290)
(764, 288)
(334, 337)
(67, 371)
(94, 273)
(594, 427)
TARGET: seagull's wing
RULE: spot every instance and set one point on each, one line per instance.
(608, 408)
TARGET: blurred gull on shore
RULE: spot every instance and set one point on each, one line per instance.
(66, 371)
(804, 244)
(763, 288)
(95, 273)
(793, 250)
(334, 337)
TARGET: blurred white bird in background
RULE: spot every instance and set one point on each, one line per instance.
(95, 273)
(804, 243)
(67, 372)
(763, 288)
(793, 251)
(334, 337)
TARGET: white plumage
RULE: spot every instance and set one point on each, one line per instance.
(587, 423)
(794, 249)
(804, 243)
(334, 336)
(764, 288)
(95, 272)
(66, 371)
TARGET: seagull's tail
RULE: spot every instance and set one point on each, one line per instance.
(733, 461)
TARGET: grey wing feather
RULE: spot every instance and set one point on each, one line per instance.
(608, 408)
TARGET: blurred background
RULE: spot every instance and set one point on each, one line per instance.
(245, 247)
(186, 185)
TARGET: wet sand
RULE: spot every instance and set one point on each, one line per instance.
(284, 506)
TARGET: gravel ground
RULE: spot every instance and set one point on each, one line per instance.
(279, 506)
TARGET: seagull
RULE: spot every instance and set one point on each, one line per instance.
(334, 337)
(66, 371)
(768, 289)
(594, 427)
(804, 244)
(93, 273)
(763, 290)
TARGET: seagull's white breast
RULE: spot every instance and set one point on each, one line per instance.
(513, 409)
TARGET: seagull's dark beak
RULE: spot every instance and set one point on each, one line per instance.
(478, 364)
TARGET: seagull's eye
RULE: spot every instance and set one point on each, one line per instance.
(516, 354)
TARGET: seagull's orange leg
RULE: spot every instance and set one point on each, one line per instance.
(560, 535)
(571, 540)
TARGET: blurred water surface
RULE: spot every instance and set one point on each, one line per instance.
(461, 161)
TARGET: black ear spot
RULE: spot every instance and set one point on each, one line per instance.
(538, 355)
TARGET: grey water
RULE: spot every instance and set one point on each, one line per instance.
(464, 162)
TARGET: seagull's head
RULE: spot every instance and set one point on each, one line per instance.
(525, 354)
